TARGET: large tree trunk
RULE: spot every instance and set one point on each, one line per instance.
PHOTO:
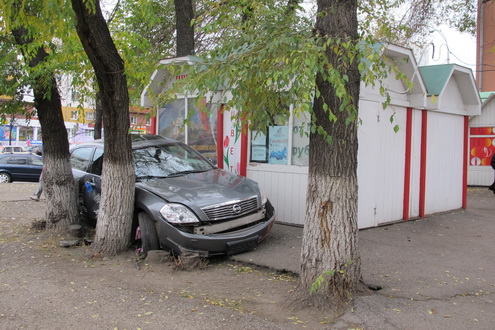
(113, 229)
(98, 117)
(185, 31)
(58, 182)
(330, 231)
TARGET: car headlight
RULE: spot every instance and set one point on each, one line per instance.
(264, 199)
(178, 214)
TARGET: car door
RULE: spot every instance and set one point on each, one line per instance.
(18, 167)
(35, 166)
(92, 184)
(80, 160)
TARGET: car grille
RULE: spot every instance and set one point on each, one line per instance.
(231, 210)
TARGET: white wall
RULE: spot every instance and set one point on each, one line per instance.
(381, 164)
(452, 101)
(444, 162)
(286, 187)
(415, 163)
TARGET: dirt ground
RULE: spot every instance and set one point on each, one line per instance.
(45, 286)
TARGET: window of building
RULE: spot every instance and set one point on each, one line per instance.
(74, 115)
(90, 116)
(148, 122)
(200, 130)
(74, 96)
(171, 120)
(300, 139)
(286, 142)
(134, 120)
(89, 132)
(272, 145)
(202, 127)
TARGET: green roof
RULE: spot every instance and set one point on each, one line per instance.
(435, 77)
(485, 95)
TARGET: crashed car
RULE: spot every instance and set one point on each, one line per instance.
(183, 203)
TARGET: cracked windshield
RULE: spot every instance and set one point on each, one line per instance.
(166, 161)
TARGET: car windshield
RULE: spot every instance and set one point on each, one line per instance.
(168, 160)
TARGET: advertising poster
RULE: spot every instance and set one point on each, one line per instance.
(202, 128)
(258, 147)
(482, 146)
(5, 133)
(278, 139)
(231, 144)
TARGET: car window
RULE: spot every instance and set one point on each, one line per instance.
(37, 161)
(167, 160)
(80, 157)
(4, 160)
(97, 162)
(18, 160)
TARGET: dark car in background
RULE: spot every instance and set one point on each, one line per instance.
(183, 203)
(20, 167)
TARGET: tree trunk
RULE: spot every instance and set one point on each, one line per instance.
(98, 117)
(58, 182)
(185, 31)
(113, 229)
(330, 232)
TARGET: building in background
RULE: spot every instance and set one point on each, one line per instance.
(419, 170)
(79, 116)
(482, 128)
(485, 50)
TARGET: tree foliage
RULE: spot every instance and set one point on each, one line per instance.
(410, 22)
(268, 63)
(35, 49)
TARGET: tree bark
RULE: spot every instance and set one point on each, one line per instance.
(113, 229)
(330, 231)
(98, 117)
(184, 14)
(58, 182)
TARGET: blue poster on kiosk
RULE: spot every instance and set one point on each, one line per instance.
(278, 139)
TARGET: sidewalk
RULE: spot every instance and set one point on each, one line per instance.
(435, 273)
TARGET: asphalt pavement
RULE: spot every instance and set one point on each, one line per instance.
(435, 273)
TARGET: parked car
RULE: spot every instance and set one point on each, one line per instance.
(13, 149)
(20, 167)
(183, 203)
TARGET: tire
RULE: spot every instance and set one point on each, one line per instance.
(149, 237)
(5, 177)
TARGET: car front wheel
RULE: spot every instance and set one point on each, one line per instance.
(149, 237)
(5, 177)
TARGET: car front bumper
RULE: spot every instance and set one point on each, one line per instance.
(245, 239)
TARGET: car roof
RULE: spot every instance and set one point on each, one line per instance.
(138, 141)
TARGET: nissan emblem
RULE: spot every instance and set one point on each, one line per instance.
(236, 209)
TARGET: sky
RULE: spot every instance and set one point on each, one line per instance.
(451, 46)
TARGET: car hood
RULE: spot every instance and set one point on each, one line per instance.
(202, 189)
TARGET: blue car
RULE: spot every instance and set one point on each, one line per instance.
(20, 167)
